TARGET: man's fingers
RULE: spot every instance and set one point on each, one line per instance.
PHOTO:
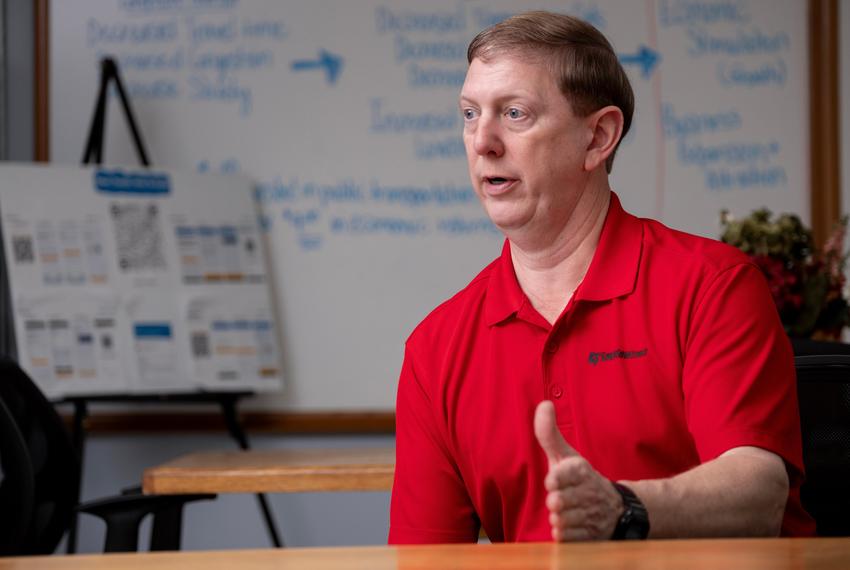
(574, 497)
(569, 472)
(548, 436)
(570, 534)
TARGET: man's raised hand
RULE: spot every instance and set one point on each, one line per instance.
(582, 504)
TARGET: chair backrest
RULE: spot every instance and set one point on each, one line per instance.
(823, 387)
(16, 484)
(53, 460)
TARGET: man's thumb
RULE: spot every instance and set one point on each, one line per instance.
(548, 435)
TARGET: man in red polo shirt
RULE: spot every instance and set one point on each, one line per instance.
(606, 377)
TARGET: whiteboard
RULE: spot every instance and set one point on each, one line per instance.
(345, 116)
(136, 281)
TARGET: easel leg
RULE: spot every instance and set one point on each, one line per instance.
(228, 407)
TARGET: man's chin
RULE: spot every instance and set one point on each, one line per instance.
(507, 223)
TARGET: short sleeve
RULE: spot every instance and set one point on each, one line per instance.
(429, 502)
(738, 379)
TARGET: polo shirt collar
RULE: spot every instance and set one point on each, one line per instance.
(612, 272)
(614, 267)
(504, 296)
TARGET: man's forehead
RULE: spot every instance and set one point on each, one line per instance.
(506, 74)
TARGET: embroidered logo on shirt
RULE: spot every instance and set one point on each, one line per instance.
(596, 357)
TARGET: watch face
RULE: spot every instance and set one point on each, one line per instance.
(637, 527)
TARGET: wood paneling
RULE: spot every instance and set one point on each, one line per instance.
(825, 120)
(253, 422)
(41, 112)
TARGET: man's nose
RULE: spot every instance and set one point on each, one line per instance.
(488, 139)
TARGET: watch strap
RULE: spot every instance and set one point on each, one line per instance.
(634, 522)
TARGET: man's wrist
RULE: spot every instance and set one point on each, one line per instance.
(633, 523)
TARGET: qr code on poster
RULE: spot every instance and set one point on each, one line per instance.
(23, 250)
(138, 235)
(200, 345)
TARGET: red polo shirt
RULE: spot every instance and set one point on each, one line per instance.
(669, 353)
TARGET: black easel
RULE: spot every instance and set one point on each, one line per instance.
(94, 145)
(227, 401)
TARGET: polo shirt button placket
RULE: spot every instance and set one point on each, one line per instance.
(554, 391)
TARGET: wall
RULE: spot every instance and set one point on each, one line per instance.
(20, 135)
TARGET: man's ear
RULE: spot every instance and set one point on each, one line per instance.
(606, 125)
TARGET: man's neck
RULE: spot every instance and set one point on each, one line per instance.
(550, 272)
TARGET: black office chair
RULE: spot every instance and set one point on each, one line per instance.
(823, 387)
(16, 484)
(38, 493)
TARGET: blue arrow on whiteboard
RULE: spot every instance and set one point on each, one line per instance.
(332, 64)
(646, 58)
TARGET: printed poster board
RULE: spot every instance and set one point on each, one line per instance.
(137, 281)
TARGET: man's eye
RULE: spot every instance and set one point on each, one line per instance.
(514, 113)
(468, 114)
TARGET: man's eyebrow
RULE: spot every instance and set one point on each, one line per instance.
(499, 100)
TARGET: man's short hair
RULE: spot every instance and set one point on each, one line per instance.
(581, 58)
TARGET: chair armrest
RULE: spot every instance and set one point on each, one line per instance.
(124, 513)
(133, 490)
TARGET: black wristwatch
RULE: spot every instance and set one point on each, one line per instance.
(634, 522)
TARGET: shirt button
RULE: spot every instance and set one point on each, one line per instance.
(552, 346)
(556, 392)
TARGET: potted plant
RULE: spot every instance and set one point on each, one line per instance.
(807, 283)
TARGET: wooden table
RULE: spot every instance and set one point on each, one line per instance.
(274, 471)
(747, 554)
